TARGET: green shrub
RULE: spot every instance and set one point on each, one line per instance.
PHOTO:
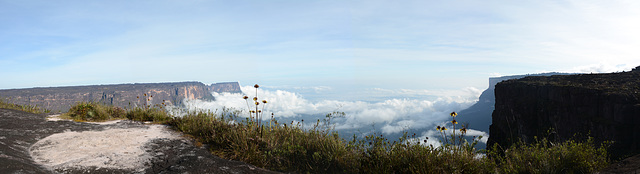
(90, 111)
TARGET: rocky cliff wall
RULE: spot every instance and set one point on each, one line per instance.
(604, 106)
(479, 115)
(59, 99)
(231, 87)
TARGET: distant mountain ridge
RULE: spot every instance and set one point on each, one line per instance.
(479, 115)
(230, 87)
(60, 99)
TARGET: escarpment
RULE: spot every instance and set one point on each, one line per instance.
(230, 87)
(59, 99)
(603, 106)
(479, 115)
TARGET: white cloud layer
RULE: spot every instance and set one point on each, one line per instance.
(390, 115)
(603, 68)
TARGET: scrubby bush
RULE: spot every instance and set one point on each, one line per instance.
(90, 111)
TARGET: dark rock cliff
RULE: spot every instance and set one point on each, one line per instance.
(230, 87)
(604, 106)
(479, 115)
(59, 99)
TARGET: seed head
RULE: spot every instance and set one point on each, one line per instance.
(453, 114)
(256, 86)
(245, 97)
(257, 103)
(264, 101)
(255, 98)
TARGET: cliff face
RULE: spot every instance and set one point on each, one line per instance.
(479, 115)
(231, 87)
(124, 95)
(604, 106)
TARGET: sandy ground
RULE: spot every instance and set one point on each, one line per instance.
(110, 148)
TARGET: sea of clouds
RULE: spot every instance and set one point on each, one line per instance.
(387, 111)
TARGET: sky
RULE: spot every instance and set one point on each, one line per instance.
(397, 65)
(341, 45)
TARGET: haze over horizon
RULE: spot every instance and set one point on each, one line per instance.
(363, 45)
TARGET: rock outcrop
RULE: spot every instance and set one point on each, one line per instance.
(20, 133)
(230, 87)
(59, 99)
(603, 106)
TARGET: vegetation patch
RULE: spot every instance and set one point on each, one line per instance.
(90, 111)
(548, 157)
(4, 103)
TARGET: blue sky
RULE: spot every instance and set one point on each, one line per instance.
(440, 45)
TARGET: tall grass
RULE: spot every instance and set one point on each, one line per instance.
(547, 157)
(287, 147)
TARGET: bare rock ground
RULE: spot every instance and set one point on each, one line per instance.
(31, 144)
(628, 165)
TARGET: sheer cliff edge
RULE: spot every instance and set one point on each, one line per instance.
(563, 107)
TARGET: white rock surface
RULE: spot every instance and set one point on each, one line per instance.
(110, 148)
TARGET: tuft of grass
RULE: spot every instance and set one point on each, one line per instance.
(548, 157)
(152, 114)
(4, 103)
